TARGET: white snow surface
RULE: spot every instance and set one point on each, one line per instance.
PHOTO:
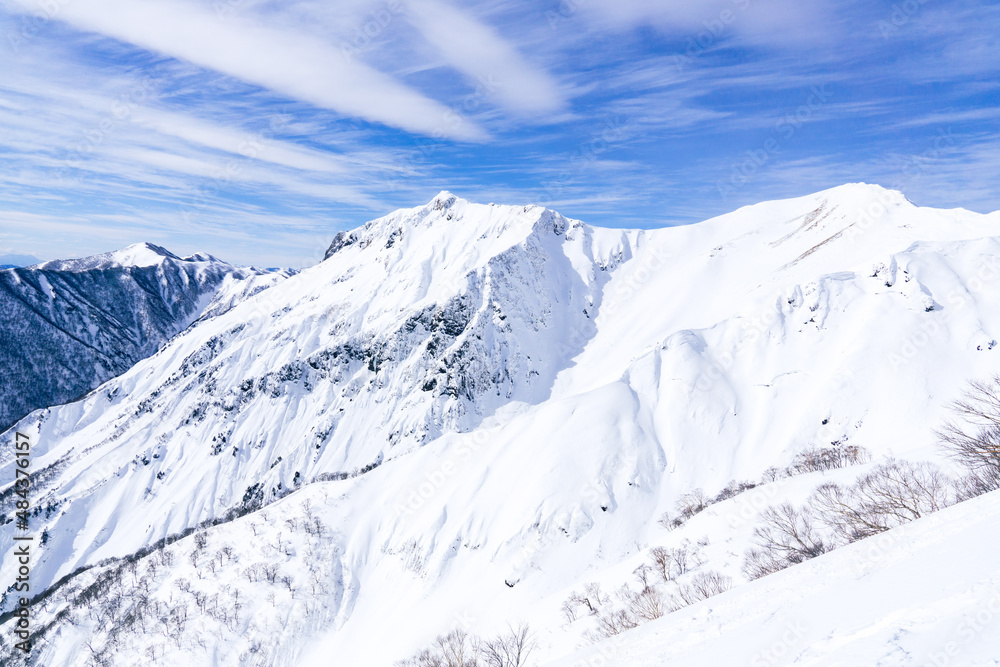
(536, 392)
(926, 593)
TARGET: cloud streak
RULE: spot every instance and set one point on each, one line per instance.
(294, 64)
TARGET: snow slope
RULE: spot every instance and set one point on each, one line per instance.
(487, 406)
(926, 593)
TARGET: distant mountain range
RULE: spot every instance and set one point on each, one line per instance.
(16, 261)
(71, 325)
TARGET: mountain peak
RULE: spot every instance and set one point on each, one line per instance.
(136, 255)
(143, 254)
(861, 190)
(449, 219)
(444, 199)
(18, 261)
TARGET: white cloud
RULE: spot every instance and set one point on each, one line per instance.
(757, 21)
(481, 53)
(292, 63)
(258, 145)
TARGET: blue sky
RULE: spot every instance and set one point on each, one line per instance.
(256, 129)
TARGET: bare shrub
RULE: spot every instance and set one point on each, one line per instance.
(460, 649)
(696, 501)
(636, 608)
(786, 536)
(255, 572)
(642, 574)
(893, 493)
(510, 649)
(790, 533)
(457, 649)
(691, 503)
(614, 623)
(732, 490)
(569, 609)
(672, 563)
(166, 558)
(770, 475)
(426, 658)
(662, 563)
(200, 541)
(681, 559)
(592, 599)
(575, 601)
(595, 594)
(973, 438)
(828, 458)
(975, 484)
(759, 563)
(646, 605)
(905, 490)
(703, 586)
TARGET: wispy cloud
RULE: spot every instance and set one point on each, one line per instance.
(288, 62)
(709, 21)
(477, 50)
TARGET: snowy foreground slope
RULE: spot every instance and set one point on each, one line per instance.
(479, 409)
(927, 593)
(69, 326)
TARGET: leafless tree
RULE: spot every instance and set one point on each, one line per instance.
(672, 563)
(591, 600)
(759, 563)
(785, 536)
(770, 475)
(647, 604)
(893, 493)
(457, 649)
(426, 658)
(828, 458)
(703, 586)
(595, 594)
(510, 649)
(569, 609)
(615, 622)
(972, 438)
(642, 573)
(691, 503)
(200, 541)
(975, 484)
(661, 558)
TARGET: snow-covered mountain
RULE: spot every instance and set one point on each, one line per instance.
(468, 411)
(69, 326)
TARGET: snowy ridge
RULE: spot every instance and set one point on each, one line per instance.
(337, 368)
(136, 255)
(487, 406)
